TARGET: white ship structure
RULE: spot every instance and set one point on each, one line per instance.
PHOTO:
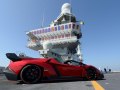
(60, 40)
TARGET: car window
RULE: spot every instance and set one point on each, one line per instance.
(75, 63)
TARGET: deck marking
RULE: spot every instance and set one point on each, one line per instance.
(97, 86)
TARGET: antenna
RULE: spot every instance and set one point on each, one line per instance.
(43, 18)
(71, 6)
(70, 10)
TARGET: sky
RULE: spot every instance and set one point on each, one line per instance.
(101, 31)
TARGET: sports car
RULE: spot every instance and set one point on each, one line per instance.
(31, 70)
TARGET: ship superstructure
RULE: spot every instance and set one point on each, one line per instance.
(60, 40)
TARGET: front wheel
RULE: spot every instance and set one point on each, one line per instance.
(91, 74)
(31, 74)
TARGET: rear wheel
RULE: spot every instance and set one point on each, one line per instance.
(31, 74)
(91, 74)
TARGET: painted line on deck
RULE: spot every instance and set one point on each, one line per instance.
(97, 86)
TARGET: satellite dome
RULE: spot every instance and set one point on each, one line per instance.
(66, 8)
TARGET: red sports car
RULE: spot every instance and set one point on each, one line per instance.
(32, 70)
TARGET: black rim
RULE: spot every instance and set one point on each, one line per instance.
(91, 74)
(31, 74)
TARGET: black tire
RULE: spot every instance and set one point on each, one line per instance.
(31, 74)
(91, 74)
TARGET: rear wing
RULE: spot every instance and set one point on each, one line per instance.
(13, 57)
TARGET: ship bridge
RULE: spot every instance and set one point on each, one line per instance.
(56, 35)
(60, 40)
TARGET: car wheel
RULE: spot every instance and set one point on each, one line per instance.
(31, 74)
(91, 74)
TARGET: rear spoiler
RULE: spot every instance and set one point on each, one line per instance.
(13, 57)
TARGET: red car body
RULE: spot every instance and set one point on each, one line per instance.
(41, 68)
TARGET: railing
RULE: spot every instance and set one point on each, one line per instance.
(67, 26)
(34, 43)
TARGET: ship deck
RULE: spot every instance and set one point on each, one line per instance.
(111, 82)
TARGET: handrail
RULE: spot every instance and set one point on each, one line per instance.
(67, 26)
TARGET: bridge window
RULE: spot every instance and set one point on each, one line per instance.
(69, 25)
(52, 28)
(48, 29)
(43, 31)
(39, 31)
(77, 26)
(55, 28)
(66, 26)
(58, 27)
(62, 27)
(73, 26)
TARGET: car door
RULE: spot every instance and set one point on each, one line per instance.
(69, 70)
